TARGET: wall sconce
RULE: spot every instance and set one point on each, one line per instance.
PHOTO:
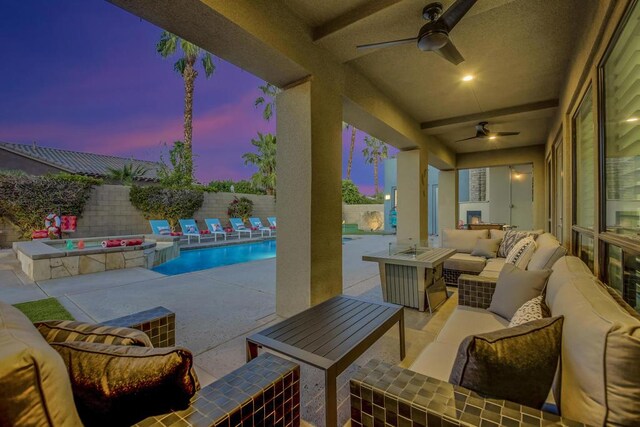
(387, 196)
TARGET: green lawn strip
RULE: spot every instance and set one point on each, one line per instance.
(44, 309)
(362, 232)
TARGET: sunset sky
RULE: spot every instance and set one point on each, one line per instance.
(84, 75)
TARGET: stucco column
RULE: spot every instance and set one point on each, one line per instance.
(309, 199)
(447, 200)
(412, 196)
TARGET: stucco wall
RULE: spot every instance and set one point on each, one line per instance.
(357, 214)
(109, 212)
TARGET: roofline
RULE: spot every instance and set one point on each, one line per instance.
(37, 159)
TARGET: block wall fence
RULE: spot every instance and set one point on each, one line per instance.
(109, 212)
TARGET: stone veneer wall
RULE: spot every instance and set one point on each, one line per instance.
(361, 215)
(109, 213)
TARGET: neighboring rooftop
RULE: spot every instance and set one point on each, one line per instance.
(78, 162)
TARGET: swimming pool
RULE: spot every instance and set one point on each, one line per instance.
(202, 259)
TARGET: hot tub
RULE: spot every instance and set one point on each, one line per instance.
(51, 259)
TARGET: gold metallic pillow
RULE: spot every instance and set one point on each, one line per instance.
(121, 385)
(516, 364)
(68, 330)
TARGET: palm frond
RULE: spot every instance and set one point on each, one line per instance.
(180, 65)
(167, 44)
(208, 65)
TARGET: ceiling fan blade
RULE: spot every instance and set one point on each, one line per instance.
(504, 133)
(386, 44)
(454, 14)
(450, 53)
(468, 139)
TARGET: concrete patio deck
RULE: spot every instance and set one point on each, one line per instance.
(217, 308)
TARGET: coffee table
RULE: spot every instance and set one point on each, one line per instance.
(330, 336)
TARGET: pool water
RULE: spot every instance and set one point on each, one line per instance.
(202, 259)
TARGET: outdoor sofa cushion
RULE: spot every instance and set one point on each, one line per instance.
(493, 268)
(465, 262)
(548, 251)
(600, 382)
(515, 287)
(68, 330)
(121, 385)
(487, 248)
(516, 364)
(34, 383)
(462, 240)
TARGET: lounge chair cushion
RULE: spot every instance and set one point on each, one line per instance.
(34, 383)
(515, 287)
(600, 348)
(462, 240)
(120, 385)
(67, 330)
(164, 231)
(548, 251)
(516, 364)
(465, 262)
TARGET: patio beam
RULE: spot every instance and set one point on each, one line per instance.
(351, 17)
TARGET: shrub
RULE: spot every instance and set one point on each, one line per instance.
(240, 208)
(157, 202)
(351, 194)
(242, 187)
(25, 200)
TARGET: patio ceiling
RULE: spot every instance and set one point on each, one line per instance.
(518, 51)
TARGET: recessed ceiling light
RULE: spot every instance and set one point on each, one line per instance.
(467, 78)
(632, 119)
(492, 137)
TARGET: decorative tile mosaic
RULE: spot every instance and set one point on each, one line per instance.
(475, 291)
(451, 276)
(158, 323)
(386, 395)
(264, 392)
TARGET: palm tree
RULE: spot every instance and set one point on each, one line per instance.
(127, 174)
(265, 160)
(166, 47)
(375, 151)
(351, 147)
(268, 99)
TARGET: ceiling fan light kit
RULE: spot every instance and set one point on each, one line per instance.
(434, 35)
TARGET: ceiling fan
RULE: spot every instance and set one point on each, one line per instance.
(434, 35)
(483, 133)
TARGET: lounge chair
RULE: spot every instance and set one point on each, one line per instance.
(161, 227)
(257, 225)
(215, 228)
(190, 229)
(272, 221)
(239, 227)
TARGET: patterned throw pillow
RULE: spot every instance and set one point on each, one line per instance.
(510, 238)
(521, 253)
(534, 309)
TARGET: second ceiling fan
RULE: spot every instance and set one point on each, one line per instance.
(434, 35)
(483, 133)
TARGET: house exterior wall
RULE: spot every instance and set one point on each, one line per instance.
(12, 161)
(108, 212)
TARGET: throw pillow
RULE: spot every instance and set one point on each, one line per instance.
(67, 330)
(534, 309)
(521, 252)
(510, 238)
(487, 248)
(121, 385)
(516, 364)
(515, 287)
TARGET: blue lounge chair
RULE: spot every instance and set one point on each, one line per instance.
(239, 227)
(190, 229)
(160, 227)
(272, 221)
(215, 228)
(256, 223)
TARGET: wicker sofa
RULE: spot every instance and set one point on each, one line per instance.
(598, 380)
(464, 241)
(35, 388)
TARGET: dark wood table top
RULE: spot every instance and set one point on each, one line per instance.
(332, 334)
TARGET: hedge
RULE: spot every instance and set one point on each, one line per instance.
(157, 202)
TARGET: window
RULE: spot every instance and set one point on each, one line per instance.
(622, 273)
(622, 131)
(585, 249)
(585, 163)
